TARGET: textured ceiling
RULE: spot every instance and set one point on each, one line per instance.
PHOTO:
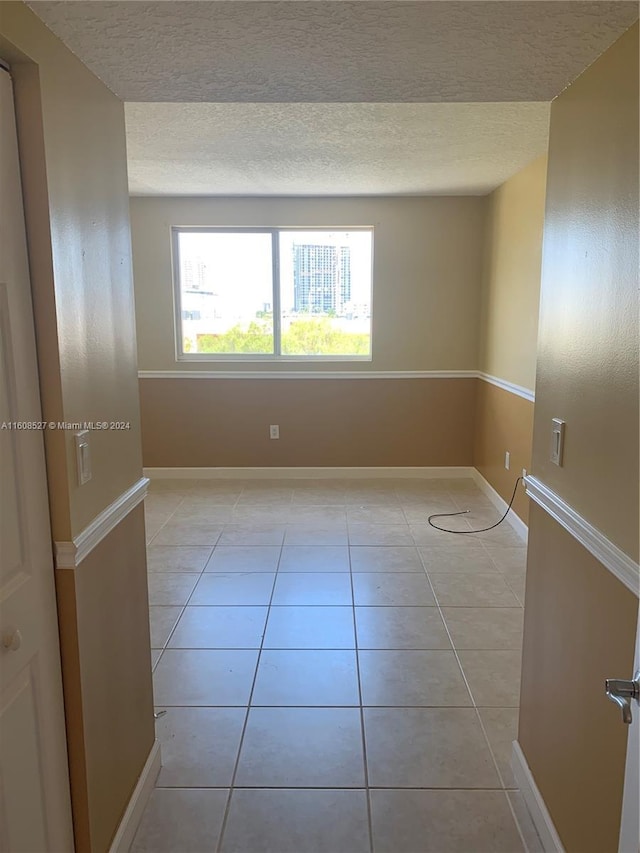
(337, 51)
(330, 149)
(334, 98)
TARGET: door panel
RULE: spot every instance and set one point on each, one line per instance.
(34, 786)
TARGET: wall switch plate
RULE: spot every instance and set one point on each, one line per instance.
(557, 440)
(274, 431)
(83, 456)
(507, 460)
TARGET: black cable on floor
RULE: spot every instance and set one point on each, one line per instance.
(465, 511)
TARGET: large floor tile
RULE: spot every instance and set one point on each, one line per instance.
(310, 558)
(425, 535)
(204, 677)
(296, 821)
(307, 677)
(169, 588)
(427, 748)
(317, 516)
(508, 559)
(257, 558)
(185, 820)
(412, 678)
(310, 628)
(401, 628)
(311, 534)
(252, 534)
(502, 537)
(401, 558)
(192, 534)
(204, 512)
(392, 589)
(162, 621)
(442, 560)
(234, 588)
(369, 533)
(199, 746)
(484, 627)
(501, 727)
(465, 590)
(225, 627)
(443, 822)
(493, 677)
(312, 588)
(375, 514)
(177, 558)
(302, 747)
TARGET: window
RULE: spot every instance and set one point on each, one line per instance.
(268, 293)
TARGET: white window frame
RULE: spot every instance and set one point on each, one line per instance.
(275, 356)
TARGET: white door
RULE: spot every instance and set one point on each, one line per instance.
(35, 815)
(630, 826)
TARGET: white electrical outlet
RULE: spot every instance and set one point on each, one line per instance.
(507, 460)
(274, 431)
(524, 473)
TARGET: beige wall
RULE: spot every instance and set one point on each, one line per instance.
(511, 279)
(503, 421)
(580, 621)
(106, 668)
(508, 328)
(580, 624)
(73, 160)
(323, 422)
(78, 228)
(426, 289)
(588, 342)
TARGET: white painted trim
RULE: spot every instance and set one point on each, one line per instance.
(307, 374)
(126, 831)
(514, 520)
(71, 554)
(298, 473)
(612, 558)
(534, 802)
(519, 390)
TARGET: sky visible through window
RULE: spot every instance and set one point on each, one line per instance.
(226, 282)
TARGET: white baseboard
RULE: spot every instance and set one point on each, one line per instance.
(514, 520)
(298, 473)
(535, 804)
(125, 833)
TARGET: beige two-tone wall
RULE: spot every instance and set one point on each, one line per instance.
(73, 162)
(508, 330)
(580, 619)
(426, 300)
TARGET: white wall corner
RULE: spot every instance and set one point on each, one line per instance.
(500, 504)
(534, 802)
(128, 827)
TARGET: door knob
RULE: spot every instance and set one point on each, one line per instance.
(622, 691)
(12, 639)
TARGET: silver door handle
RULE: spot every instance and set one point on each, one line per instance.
(622, 691)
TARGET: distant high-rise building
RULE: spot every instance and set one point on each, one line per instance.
(194, 272)
(321, 278)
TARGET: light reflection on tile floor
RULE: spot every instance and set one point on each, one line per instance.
(337, 676)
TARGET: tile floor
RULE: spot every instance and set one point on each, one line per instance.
(336, 676)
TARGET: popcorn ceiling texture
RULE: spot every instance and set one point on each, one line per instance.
(330, 149)
(337, 51)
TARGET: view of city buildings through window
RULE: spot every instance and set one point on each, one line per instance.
(231, 282)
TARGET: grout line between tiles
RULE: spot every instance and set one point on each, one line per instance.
(246, 718)
(362, 729)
